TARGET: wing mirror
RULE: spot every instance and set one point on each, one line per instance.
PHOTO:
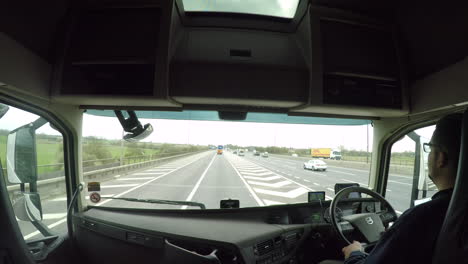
(131, 125)
(27, 207)
(21, 155)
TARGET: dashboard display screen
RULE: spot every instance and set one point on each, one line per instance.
(316, 196)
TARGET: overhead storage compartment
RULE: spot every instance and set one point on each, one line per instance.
(238, 64)
(356, 66)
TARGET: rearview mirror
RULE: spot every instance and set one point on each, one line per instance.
(21, 155)
(27, 207)
(131, 125)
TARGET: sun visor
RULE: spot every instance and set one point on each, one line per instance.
(251, 117)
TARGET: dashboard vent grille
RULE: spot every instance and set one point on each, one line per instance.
(291, 240)
(265, 247)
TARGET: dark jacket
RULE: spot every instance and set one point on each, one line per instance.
(413, 236)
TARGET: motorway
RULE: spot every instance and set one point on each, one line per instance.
(207, 178)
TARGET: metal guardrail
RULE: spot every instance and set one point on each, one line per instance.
(89, 165)
(50, 186)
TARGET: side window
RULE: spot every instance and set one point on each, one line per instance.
(31, 155)
(408, 182)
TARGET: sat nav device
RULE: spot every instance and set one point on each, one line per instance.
(229, 203)
(341, 186)
(316, 196)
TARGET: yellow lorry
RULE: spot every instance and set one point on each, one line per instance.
(326, 153)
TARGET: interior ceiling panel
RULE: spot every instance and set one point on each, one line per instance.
(435, 35)
(33, 23)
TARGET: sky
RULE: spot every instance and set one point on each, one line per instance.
(236, 133)
(223, 132)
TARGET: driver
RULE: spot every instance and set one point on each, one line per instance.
(413, 236)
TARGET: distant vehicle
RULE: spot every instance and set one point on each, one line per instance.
(234, 152)
(220, 150)
(265, 154)
(256, 153)
(241, 153)
(326, 153)
(315, 165)
(294, 155)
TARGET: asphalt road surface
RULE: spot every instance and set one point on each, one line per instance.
(207, 178)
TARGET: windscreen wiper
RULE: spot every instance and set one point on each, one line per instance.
(156, 201)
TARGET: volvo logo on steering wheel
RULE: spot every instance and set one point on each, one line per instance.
(369, 220)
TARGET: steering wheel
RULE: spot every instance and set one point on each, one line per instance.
(370, 225)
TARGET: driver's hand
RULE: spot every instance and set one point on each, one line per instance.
(355, 246)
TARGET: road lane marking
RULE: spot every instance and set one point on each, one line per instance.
(388, 190)
(330, 189)
(295, 177)
(307, 188)
(146, 173)
(289, 174)
(344, 168)
(360, 183)
(316, 184)
(254, 195)
(263, 178)
(197, 185)
(135, 179)
(241, 167)
(59, 199)
(342, 172)
(404, 183)
(35, 233)
(54, 216)
(145, 183)
(398, 212)
(252, 171)
(118, 186)
(273, 185)
(269, 202)
(258, 174)
(291, 194)
(306, 180)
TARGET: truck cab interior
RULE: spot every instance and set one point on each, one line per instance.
(393, 66)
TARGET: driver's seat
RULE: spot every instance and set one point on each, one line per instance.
(452, 243)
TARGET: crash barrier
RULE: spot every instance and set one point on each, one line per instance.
(54, 187)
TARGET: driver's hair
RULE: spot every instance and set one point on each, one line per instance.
(447, 137)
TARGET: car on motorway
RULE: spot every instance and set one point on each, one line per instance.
(316, 165)
(241, 153)
(265, 154)
(294, 155)
(256, 153)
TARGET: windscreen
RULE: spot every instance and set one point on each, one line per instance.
(206, 161)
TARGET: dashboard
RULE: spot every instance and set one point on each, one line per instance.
(298, 233)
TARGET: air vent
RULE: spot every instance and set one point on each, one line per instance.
(264, 247)
(291, 240)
